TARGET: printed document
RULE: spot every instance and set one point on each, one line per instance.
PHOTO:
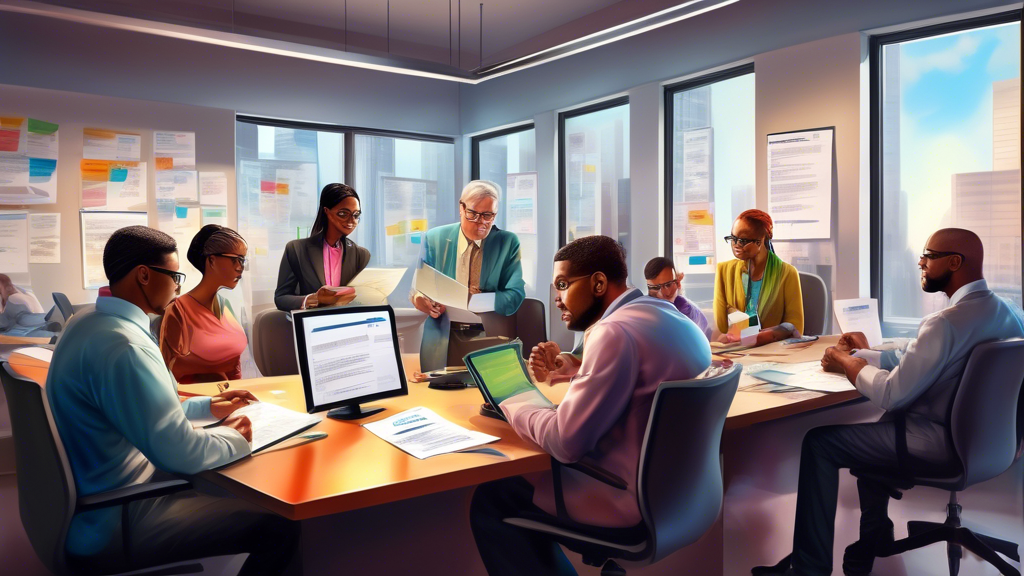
(422, 433)
(270, 423)
(444, 290)
(374, 285)
(860, 315)
(807, 375)
(800, 184)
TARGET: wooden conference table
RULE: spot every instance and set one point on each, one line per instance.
(352, 468)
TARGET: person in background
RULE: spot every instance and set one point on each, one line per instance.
(477, 254)
(664, 283)
(631, 349)
(116, 407)
(914, 381)
(20, 310)
(327, 259)
(758, 282)
(200, 337)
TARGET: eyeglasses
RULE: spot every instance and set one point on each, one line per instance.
(657, 287)
(239, 261)
(345, 215)
(741, 242)
(936, 255)
(473, 215)
(177, 277)
(562, 284)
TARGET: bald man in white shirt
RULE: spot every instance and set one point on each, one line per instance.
(914, 380)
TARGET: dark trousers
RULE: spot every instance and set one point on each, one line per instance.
(507, 549)
(191, 525)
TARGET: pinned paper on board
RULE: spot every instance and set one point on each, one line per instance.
(13, 242)
(100, 144)
(44, 238)
(96, 230)
(693, 237)
(178, 185)
(28, 161)
(174, 150)
(213, 189)
(113, 185)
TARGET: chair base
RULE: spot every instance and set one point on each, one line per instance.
(957, 538)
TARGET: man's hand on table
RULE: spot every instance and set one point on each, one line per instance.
(852, 341)
(836, 360)
(223, 404)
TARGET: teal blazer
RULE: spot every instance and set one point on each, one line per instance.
(501, 272)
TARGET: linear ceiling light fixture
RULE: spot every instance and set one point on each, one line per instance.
(391, 64)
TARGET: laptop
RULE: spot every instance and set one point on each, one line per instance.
(500, 373)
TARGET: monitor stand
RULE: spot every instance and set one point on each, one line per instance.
(353, 412)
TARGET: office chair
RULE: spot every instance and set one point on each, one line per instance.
(47, 497)
(155, 322)
(527, 324)
(983, 422)
(273, 343)
(679, 483)
(63, 305)
(815, 301)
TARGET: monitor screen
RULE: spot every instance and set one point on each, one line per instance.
(348, 355)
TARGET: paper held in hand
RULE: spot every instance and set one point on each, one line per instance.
(374, 285)
(422, 433)
(860, 315)
(448, 291)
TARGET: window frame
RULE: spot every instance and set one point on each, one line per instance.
(670, 91)
(562, 117)
(474, 145)
(876, 44)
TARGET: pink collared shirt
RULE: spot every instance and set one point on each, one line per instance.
(332, 262)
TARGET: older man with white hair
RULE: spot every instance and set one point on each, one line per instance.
(477, 254)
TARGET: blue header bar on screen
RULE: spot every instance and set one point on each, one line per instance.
(336, 326)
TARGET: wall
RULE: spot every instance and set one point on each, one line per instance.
(48, 53)
(215, 152)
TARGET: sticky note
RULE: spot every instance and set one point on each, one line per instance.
(11, 122)
(40, 127)
(181, 211)
(698, 260)
(9, 140)
(268, 186)
(118, 174)
(41, 167)
(418, 225)
(589, 168)
(164, 163)
(703, 217)
(416, 238)
(282, 188)
(393, 230)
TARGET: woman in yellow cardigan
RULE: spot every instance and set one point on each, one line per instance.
(771, 289)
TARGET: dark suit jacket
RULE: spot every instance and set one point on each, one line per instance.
(302, 269)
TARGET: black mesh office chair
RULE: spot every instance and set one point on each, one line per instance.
(679, 484)
(527, 324)
(984, 427)
(47, 497)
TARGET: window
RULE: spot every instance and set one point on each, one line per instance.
(946, 152)
(593, 171)
(509, 158)
(710, 148)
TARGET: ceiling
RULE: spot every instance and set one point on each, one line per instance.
(445, 32)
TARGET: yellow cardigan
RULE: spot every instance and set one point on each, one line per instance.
(731, 293)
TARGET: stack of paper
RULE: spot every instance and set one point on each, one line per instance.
(423, 434)
(270, 423)
(807, 375)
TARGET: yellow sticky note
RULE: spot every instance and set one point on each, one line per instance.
(10, 122)
(418, 225)
(282, 188)
(393, 230)
(703, 217)
(589, 168)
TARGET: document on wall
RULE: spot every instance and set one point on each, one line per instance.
(422, 433)
(178, 185)
(100, 144)
(13, 242)
(693, 242)
(215, 215)
(187, 222)
(28, 161)
(44, 238)
(860, 315)
(800, 184)
(96, 230)
(696, 183)
(118, 186)
(174, 150)
(521, 204)
(374, 285)
(213, 189)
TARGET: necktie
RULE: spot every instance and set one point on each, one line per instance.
(475, 260)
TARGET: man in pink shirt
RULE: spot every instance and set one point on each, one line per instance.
(633, 344)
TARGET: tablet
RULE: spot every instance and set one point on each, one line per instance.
(500, 373)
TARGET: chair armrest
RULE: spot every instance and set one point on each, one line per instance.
(597, 473)
(130, 494)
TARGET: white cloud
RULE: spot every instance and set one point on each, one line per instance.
(951, 60)
(1006, 57)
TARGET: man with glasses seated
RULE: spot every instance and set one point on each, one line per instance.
(914, 381)
(116, 407)
(664, 283)
(477, 254)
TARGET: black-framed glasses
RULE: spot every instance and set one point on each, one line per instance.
(741, 242)
(473, 215)
(931, 255)
(562, 284)
(657, 287)
(238, 261)
(345, 215)
(177, 277)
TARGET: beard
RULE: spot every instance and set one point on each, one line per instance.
(939, 284)
(587, 318)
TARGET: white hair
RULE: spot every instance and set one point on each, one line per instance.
(478, 189)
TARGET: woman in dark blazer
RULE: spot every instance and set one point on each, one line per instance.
(327, 258)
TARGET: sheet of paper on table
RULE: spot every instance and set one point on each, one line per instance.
(807, 375)
(422, 433)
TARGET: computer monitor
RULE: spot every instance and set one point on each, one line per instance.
(348, 356)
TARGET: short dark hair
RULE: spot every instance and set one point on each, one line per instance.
(592, 254)
(656, 265)
(135, 246)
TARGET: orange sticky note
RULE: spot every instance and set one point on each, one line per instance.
(164, 163)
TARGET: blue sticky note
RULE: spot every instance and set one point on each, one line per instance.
(698, 260)
(181, 211)
(118, 174)
(416, 238)
(41, 167)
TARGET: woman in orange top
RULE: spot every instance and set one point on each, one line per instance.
(200, 338)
